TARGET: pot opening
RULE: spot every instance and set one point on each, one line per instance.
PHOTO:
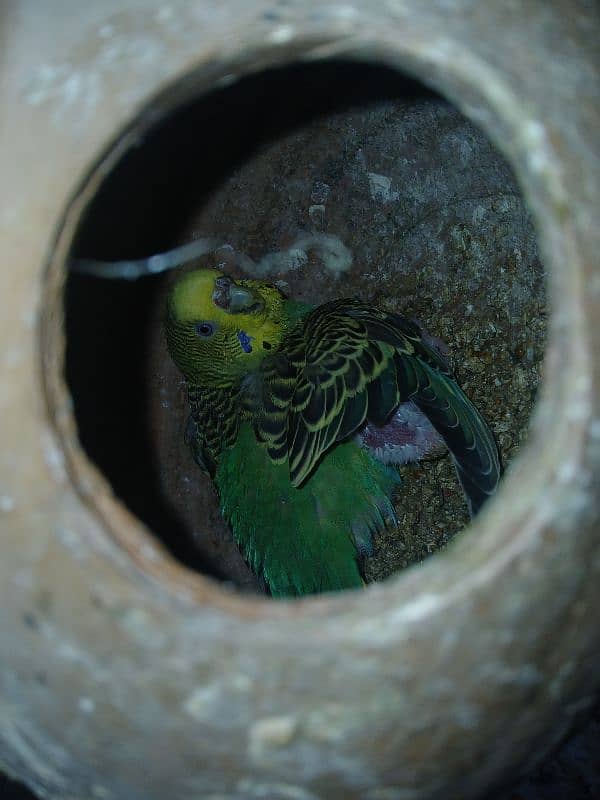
(355, 181)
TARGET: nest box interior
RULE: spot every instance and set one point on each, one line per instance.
(424, 203)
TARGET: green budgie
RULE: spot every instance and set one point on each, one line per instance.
(301, 415)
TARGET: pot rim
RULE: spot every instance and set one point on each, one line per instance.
(533, 493)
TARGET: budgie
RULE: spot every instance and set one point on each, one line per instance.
(301, 415)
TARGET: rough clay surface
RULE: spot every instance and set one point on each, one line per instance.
(125, 675)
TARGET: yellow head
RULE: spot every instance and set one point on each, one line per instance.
(219, 329)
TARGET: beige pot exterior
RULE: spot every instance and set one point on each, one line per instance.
(124, 676)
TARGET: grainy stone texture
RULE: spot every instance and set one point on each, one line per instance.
(125, 675)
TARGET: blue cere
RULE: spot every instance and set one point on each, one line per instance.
(245, 341)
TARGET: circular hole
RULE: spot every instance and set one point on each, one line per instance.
(394, 175)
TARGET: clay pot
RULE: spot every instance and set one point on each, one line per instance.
(125, 674)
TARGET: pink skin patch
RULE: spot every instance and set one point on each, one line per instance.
(408, 436)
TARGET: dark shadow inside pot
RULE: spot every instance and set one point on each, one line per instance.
(437, 229)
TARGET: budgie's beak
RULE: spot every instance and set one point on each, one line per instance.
(234, 298)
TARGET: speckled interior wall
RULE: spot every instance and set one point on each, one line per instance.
(364, 163)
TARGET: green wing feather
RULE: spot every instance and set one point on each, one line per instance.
(426, 379)
(314, 391)
(347, 363)
(464, 430)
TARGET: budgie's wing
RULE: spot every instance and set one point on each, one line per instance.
(424, 377)
(348, 362)
(336, 370)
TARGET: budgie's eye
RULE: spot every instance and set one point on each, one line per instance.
(205, 329)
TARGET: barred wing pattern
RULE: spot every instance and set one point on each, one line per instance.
(346, 363)
(213, 425)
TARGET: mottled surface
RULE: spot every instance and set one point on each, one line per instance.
(573, 773)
